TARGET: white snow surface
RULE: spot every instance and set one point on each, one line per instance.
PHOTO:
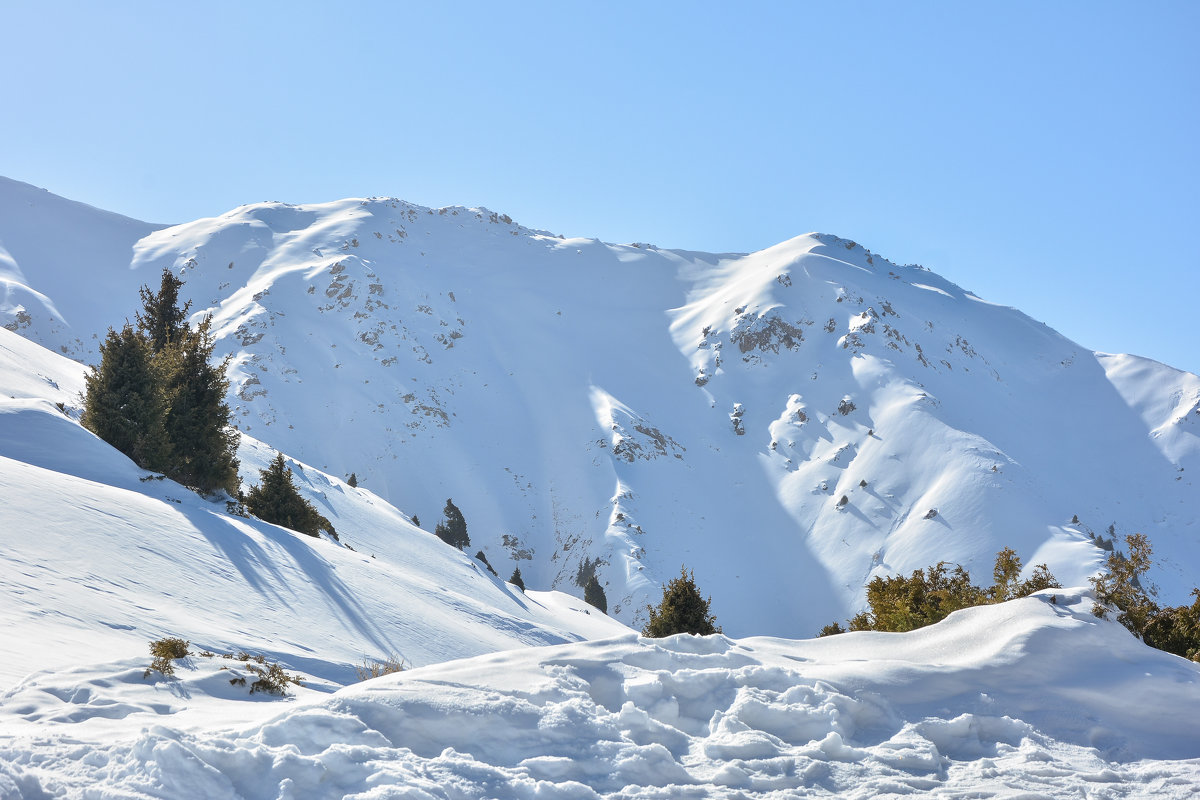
(1035, 698)
(98, 557)
(590, 406)
(623, 409)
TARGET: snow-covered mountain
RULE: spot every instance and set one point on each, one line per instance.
(616, 408)
(787, 423)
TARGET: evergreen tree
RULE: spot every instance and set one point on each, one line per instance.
(481, 557)
(197, 422)
(163, 321)
(157, 397)
(682, 610)
(1121, 587)
(352, 481)
(593, 595)
(516, 579)
(453, 529)
(276, 500)
(124, 404)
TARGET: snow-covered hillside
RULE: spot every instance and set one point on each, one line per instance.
(97, 558)
(623, 408)
(1035, 698)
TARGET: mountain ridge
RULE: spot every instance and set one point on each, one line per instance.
(619, 408)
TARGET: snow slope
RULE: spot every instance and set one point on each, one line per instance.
(1034, 698)
(624, 408)
(97, 558)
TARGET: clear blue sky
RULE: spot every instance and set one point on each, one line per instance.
(1042, 155)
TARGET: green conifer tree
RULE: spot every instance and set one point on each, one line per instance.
(163, 321)
(276, 500)
(593, 595)
(682, 610)
(204, 443)
(453, 529)
(124, 403)
(517, 580)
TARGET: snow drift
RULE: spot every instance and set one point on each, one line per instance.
(1031, 698)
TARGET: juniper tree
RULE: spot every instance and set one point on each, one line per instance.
(124, 403)
(276, 500)
(682, 610)
(1120, 586)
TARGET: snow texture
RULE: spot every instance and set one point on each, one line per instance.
(593, 409)
(1032, 698)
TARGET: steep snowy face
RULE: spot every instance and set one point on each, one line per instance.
(787, 423)
(903, 420)
(99, 557)
(54, 251)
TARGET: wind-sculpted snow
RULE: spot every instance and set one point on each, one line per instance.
(1033, 698)
(788, 423)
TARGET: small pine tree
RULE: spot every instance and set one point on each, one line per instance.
(516, 579)
(276, 500)
(682, 610)
(124, 404)
(163, 321)
(453, 529)
(352, 481)
(593, 595)
(416, 520)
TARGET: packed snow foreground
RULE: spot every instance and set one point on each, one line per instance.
(1031, 698)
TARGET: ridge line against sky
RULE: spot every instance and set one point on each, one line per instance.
(1040, 156)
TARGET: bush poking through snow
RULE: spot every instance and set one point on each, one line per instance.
(682, 610)
(271, 679)
(832, 629)
(165, 651)
(516, 579)
(897, 603)
(375, 669)
(1174, 629)
(1120, 585)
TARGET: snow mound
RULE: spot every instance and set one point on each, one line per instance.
(1033, 698)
